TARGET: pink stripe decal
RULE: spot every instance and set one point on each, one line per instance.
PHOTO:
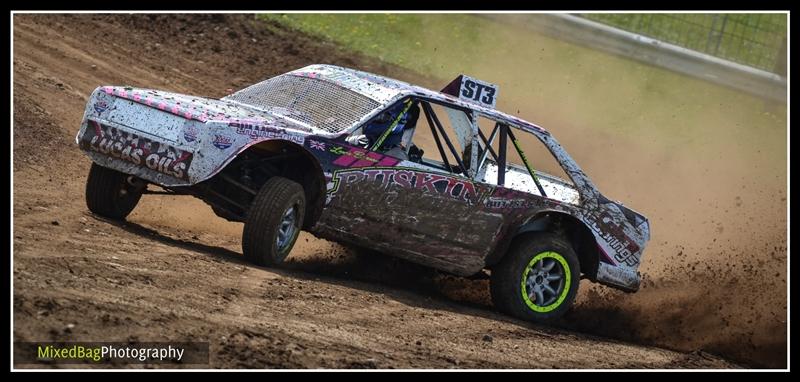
(387, 162)
(362, 163)
(344, 161)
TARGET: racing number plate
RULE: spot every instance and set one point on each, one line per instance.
(477, 91)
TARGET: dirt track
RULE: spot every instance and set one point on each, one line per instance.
(173, 272)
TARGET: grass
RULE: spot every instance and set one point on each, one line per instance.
(402, 39)
(751, 39)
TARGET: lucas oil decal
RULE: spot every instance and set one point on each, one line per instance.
(136, 149)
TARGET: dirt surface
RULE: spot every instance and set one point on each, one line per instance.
(174, 270)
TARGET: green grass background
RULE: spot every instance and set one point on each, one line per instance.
(541, 79)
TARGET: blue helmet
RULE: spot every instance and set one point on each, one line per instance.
(403, 113)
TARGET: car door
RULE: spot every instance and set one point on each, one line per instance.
(429, 209)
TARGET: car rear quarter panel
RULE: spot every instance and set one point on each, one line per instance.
(171, 140)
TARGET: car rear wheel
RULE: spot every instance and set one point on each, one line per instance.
(112, 194)
(273, 222)
(538, 278)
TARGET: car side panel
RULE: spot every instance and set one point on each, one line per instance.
(404, 209)
(449, 222)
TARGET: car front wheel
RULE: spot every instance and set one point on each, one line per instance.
(538, 278)
(273, 222)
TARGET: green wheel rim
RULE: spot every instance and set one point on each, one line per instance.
(546, 282)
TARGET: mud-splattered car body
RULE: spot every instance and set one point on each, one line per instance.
(457, 221)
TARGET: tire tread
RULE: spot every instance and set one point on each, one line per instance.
(257, 245)
(101, 186)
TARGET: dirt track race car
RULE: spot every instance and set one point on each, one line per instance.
(334, 151)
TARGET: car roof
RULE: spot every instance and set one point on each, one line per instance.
(385, 90)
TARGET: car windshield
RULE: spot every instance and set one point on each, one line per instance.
(315, 102)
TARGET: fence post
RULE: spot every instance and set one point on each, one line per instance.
(721, 33)
(711, 32)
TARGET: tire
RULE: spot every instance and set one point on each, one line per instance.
(266, 237)
(109, 194)
(517, 282)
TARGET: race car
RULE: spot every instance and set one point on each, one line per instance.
(334, 151)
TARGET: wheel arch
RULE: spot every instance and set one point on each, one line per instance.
(300, 166)
(572, 228)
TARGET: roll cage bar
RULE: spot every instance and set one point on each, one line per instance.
(503, 130)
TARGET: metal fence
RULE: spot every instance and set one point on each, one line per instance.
(756, 40)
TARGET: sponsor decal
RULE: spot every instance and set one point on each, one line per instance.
(100, 107)
(408, 178)
(624, 248)
(502, 204)
(190, 133)
(136, 149)
(259, 131)
(222, 142)
(338, 150)
(508, 199)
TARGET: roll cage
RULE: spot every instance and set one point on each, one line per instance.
(471, 162)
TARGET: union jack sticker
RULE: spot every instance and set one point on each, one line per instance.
(316, 144)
